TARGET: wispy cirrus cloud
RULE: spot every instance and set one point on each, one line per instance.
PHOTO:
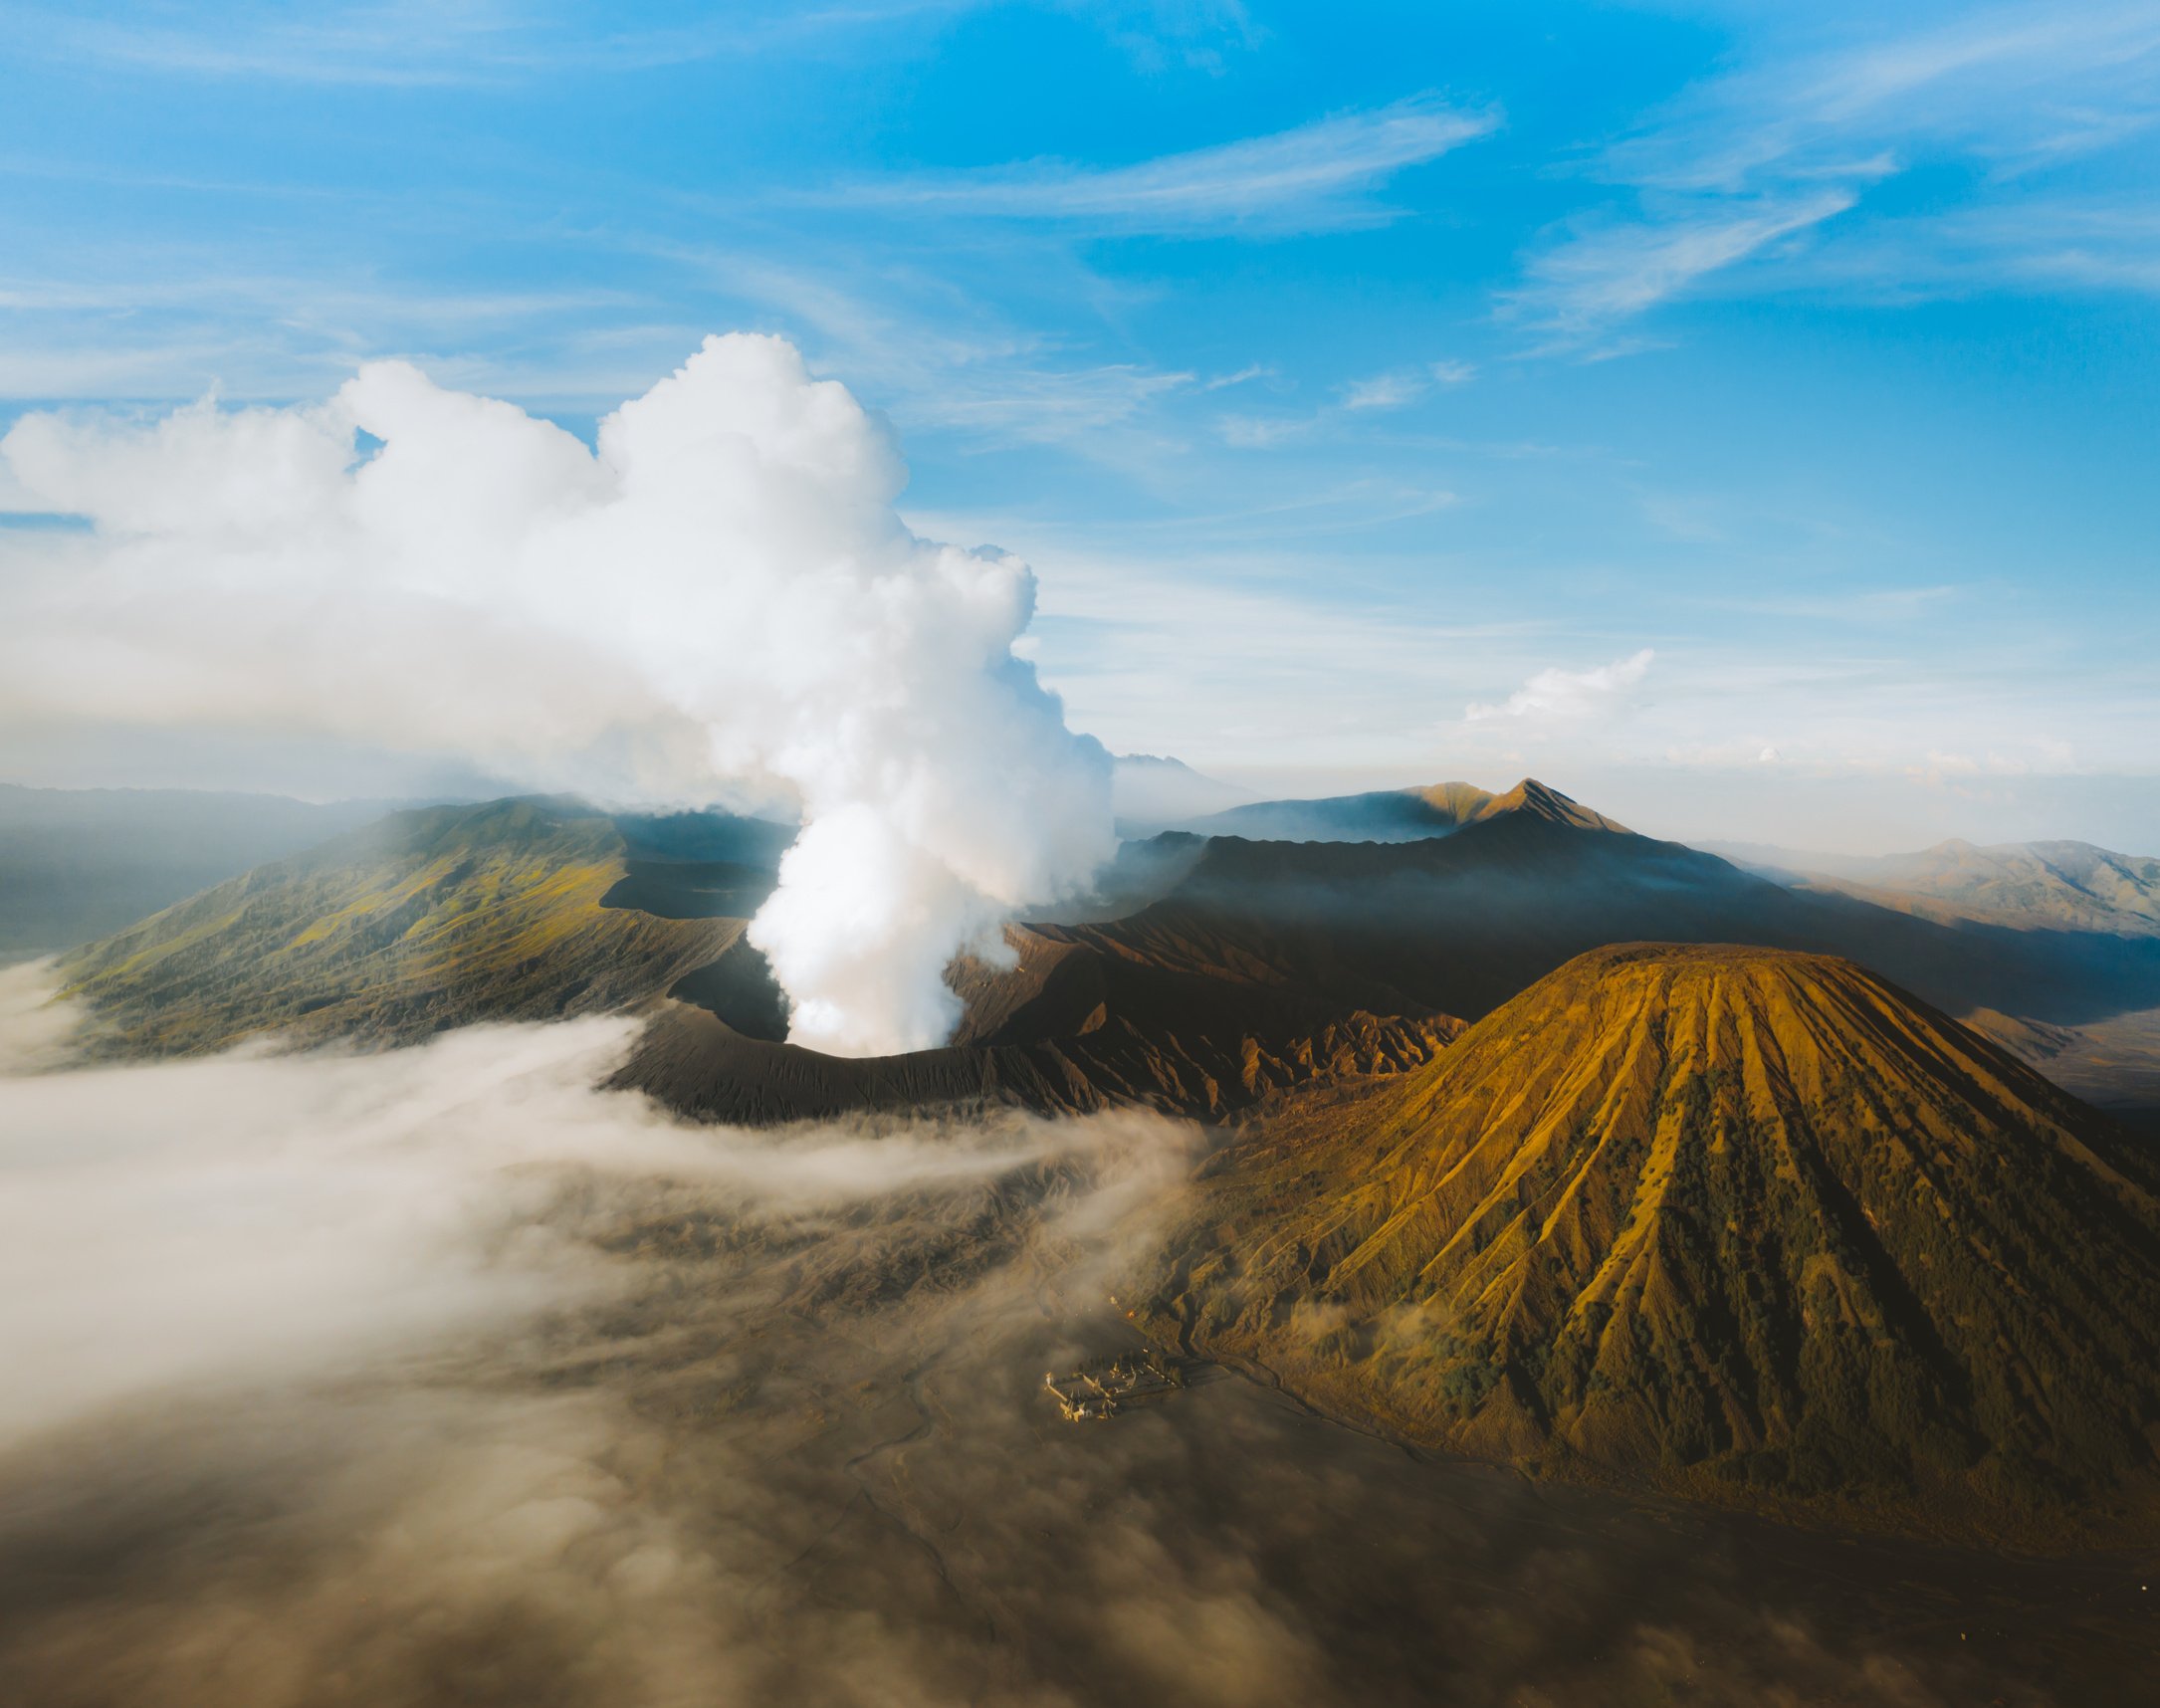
(2050, 241)
(423, 42)
(387, 41)
(1561, 696)
(1608, 272)
(951, 363)
(1960, 72)
(1316, 177)
(1402, 386)
(1159, 34)
(1373, 394)
(1776, 167)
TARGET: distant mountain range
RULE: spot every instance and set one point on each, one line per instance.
(1388, 815)
(1150, 793)
(2067, 884)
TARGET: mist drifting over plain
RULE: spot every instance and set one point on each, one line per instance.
(439, 1376)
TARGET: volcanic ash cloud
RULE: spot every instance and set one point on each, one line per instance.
(721, 593)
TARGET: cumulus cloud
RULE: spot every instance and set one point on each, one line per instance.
(1560, 696)
(720, 591)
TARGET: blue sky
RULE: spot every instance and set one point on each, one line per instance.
(1741, 415)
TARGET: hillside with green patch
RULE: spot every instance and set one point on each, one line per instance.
(426, 919)
(1727, 1224)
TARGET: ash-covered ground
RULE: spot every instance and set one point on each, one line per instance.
(439, 1376)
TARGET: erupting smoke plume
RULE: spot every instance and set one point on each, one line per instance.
(721, 591)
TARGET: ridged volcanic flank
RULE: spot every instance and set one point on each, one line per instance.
(1736, 1222)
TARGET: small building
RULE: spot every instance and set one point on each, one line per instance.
(1100, 1389)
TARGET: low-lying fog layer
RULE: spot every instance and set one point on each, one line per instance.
(439, 1376)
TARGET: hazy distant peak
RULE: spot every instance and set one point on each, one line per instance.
(1397, 815)
(1164, 761)
(2054, 884)
(1155, 790)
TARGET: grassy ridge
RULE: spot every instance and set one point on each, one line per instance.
(428, 919)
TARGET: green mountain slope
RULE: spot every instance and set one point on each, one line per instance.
(426, 919)
(1729, 1223)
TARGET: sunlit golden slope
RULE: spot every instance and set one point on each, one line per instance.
(1736, 1223)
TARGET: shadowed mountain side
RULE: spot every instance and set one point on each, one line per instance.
(1394, 815)
(1460, 924)
(1739, 1225)
(427, 920)
(1141, 872)
(736, 988)
(1065, 1029)
(683, 890)
(1065, 981)
(1069, 1026)
(699, 838)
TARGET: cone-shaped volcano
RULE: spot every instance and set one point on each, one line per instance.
(1735, 1222)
